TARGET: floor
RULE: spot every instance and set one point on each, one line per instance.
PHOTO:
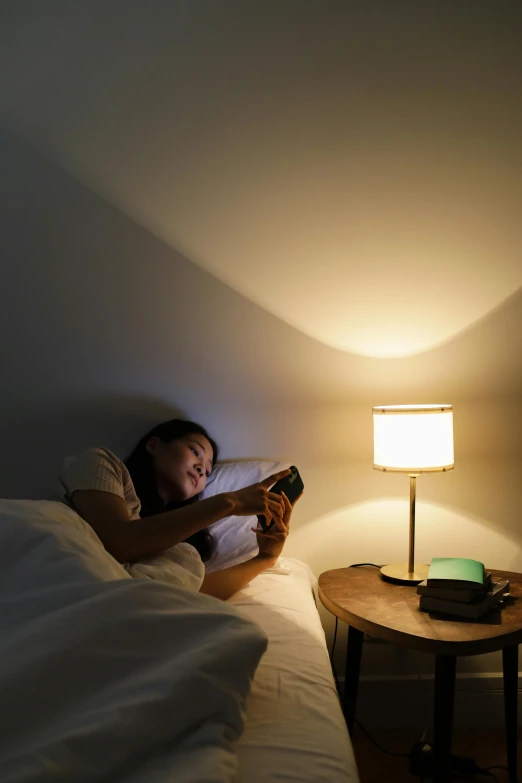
(485, 746)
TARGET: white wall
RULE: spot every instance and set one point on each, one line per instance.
(316, 157)
(107, 331)
(352, 167)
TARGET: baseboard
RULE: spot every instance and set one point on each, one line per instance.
(407, 701)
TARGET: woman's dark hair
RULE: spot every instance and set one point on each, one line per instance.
(141, 468)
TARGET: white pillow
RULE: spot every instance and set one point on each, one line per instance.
(105, 677)
(235, 542)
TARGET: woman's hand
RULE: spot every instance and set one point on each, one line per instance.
(223, 584)
(271, 544)
(256, 499)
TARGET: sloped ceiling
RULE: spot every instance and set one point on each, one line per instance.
(354, 168)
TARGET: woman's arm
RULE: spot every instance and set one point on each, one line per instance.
(223, 584)
(127, 540)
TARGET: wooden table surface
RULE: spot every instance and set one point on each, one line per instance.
(362, 599)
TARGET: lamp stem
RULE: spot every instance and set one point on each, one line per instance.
(411, 553)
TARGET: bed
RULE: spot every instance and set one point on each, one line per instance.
(294, 729)
(104, 677)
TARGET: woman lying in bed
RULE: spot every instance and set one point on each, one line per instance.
(147, 504)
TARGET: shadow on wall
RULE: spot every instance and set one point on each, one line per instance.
(376, 531)
(147, 314)
(94, 302)
(36, 442)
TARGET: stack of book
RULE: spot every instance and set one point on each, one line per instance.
(460, 587)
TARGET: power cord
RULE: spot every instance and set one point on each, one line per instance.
(461, 767)
(421, 755)
(486, 771)
(332, 664)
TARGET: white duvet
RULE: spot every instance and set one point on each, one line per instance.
(181, 565)
(108, 678)
(294, 728)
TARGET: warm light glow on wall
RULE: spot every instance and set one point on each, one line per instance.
(413, 438)
(371, 220)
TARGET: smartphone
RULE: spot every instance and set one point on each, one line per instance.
(292, 485)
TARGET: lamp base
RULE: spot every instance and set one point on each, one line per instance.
(398, 573)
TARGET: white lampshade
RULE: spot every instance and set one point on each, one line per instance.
(413, 438)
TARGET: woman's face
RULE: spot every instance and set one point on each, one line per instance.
(182, 466)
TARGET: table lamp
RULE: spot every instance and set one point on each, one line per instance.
(412, 439)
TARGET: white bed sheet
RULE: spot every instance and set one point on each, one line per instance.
(294, 731)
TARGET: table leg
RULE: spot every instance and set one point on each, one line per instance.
(510, 668)
(445, 667)
(351, 674)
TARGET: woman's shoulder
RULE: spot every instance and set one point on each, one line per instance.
(96, 454)
(102, 452)
(96, 468)
(97, 459)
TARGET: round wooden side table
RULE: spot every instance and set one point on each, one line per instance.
(368, 604)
